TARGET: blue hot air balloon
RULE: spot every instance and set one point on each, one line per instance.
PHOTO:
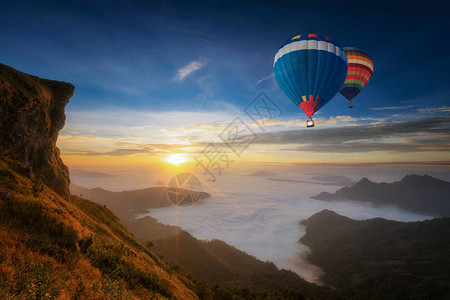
(310, 69)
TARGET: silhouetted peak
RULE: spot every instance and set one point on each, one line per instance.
(365, 180)
(326, 217)
(414, 179)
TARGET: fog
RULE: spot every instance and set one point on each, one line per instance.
(261, 216)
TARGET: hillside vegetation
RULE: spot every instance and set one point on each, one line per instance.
(381, 259)
(52, 247)
(219, 263)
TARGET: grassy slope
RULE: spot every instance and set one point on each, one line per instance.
(52, 247)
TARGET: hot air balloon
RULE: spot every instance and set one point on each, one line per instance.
(360, 69)
(310, 69)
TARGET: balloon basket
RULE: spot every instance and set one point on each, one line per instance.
(310, 122)
(350, 105)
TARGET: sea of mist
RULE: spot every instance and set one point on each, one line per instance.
(261, 216)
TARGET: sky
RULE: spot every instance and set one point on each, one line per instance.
(158, 78)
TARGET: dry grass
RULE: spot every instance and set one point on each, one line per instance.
(51, 248)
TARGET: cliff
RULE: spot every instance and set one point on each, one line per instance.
(31, 116)
(53, 245)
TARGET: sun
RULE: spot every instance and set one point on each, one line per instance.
(176, 159)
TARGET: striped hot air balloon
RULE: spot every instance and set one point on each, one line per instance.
(360, 69)
(310, 69)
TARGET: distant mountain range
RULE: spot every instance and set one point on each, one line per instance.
(322, 180)
(128, 203)
(261, 173)
(381, 259)
(419, 194)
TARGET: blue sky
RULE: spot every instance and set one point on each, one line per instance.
(161, 57)
(125, 53)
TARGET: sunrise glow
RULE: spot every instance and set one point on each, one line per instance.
(176, 159)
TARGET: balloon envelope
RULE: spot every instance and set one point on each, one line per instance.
(360, 69)
(310, 69)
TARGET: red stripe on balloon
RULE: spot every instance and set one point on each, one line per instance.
(357, 78)
(355, 65)
(360, 70)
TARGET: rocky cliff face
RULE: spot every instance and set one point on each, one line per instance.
(31, 116)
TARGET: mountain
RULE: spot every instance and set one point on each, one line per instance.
(212, 261)
(419, 194)
(261, 173)
(322, 180)
(381, 259)
(219, 263)
(122, 202)
(53, 245)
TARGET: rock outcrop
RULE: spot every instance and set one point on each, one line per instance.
(31, 116)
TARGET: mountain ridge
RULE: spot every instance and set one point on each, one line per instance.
(379, 258)
(418, 194)
(213, 261)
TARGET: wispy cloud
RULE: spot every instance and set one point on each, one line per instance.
(423, 135)
(265, 78)
(393, 107)
(126, 149)
(187, 70)
(444, 109)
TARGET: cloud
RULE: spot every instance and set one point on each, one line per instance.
(187, 70)
(425, 134)
(444, 109)
(393, 107)
(88, 174)
(265, 78)
(265, 223)
(126, 149)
